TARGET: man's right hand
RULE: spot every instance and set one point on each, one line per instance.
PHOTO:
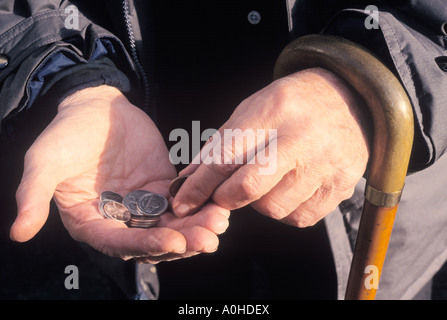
(99, 141)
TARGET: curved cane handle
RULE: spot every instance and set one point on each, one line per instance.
(393, 128)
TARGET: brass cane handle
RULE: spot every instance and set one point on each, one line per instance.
(393, 127)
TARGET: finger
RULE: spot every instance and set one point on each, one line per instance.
(115, 239)
(190, 169)
(199, 186)
(86, 224)
(322, 202)
(210, 216)
(296, 187)
(254, 180)
(223, 157)
(199, 240)
(33, 205)
(205, 173)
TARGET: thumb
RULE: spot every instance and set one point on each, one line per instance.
(33, 205)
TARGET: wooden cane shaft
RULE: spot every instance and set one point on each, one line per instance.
(370, 251)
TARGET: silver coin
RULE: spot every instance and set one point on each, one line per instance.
(130, 200)
(112, 196)
(115, 210)
(101, 209)
(152, 204)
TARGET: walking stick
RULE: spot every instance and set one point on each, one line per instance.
(392, 117)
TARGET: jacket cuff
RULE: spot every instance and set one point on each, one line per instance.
(39, 38)
(99, 72)
(74, 74)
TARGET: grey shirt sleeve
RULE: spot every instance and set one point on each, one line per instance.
(415, 50)
(410, 37)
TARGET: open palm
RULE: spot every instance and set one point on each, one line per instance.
(99, 141)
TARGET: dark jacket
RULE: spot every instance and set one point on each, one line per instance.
(411, 40)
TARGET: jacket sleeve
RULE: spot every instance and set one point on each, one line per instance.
(411, 40)
(41, 39)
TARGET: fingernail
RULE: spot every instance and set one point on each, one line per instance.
(182, 251)
(182, 209)
(214, 250)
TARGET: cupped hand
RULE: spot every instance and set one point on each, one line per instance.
(99, 141)
(315, 141)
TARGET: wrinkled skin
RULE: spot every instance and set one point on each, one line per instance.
(321, 152)
(99, 141)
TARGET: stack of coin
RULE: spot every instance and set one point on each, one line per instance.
(138, 209)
